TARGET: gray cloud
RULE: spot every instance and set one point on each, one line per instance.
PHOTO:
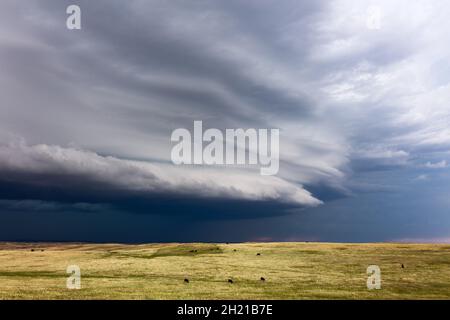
(19, 159)
(349, 100)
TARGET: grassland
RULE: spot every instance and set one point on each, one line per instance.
(291, 271)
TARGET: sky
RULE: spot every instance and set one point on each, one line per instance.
(360, 91)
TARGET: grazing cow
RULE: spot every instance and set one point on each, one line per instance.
(258, 254)
(32, 250)
(186, 280)
(263, 279)
(234, 250)
(230, 281)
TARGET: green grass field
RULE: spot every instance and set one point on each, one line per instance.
(291, 271)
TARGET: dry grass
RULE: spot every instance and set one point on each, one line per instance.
(291, 270)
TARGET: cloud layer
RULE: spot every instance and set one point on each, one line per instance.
(97, 106)
(56, 165)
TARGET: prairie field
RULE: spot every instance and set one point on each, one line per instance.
(203, 270)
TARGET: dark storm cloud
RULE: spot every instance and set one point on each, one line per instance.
(66, 192)
(111, 79)
(68, 175)
(352, 103)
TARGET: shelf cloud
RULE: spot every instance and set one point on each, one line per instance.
(359, 91)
